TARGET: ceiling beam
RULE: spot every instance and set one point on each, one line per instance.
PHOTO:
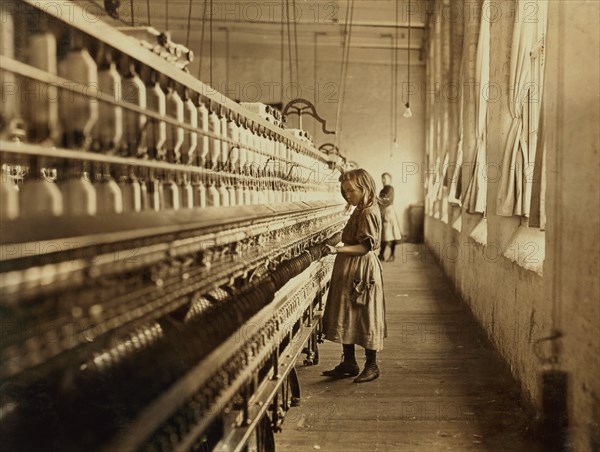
(360, 24)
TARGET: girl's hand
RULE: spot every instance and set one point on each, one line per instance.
(328, 249)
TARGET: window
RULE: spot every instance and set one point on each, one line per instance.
(520, 161)
(536, 143)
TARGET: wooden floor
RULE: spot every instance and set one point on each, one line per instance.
(442, 386)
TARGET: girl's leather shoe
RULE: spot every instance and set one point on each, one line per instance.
(344, 369)
(369, 373)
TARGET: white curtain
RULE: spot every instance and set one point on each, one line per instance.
(434, 181)
(514, 194)
(453, 196)
(456, 175)
(476, 193)
(537, 217)
(441, 176)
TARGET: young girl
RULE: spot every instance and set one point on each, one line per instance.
(390, 234)
(355, 309)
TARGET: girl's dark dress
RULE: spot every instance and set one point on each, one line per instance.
(355, 309)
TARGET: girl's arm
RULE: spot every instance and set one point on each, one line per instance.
(384, 202)
(351, 250)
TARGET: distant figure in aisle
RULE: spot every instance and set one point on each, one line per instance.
(390, 233)
(355, 309)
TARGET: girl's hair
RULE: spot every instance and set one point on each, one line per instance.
(360, 178)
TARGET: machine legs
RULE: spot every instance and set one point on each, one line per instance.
(294, 387)
(264, 440)
(312, 351)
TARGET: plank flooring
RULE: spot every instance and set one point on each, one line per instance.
(442, 385)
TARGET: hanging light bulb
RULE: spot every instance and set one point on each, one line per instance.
(408, 112)
(395, 147)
